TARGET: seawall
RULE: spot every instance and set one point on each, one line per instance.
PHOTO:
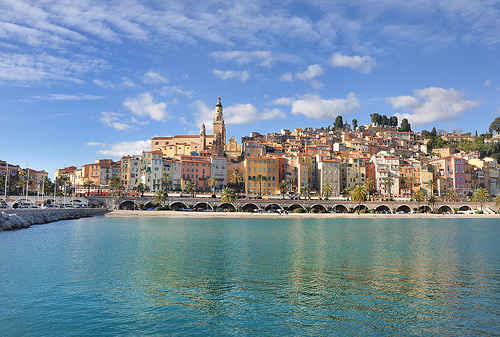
(11, 219)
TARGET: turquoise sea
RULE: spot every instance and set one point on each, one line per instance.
(252, 277)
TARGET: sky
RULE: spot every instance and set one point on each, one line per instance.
(82, 80)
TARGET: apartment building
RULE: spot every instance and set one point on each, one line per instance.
(329, 170)
(268, 168)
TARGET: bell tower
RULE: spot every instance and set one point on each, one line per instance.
(219, 127)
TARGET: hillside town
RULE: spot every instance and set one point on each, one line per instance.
(391, 160)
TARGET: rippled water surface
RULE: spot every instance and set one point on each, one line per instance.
(279, 277)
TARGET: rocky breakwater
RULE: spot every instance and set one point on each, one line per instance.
(24, 218)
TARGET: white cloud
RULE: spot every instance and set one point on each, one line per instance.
(114, 120)
(143, 106)
(174, 90)
(36, 68)
(128, 82)
(66, 97)
(95, 144)
(487, 83)
(311, 72)
(153, 78)
(121, 149)
(104, 84)
(314, 106)
(229, 74)
(234, 114)
(432, 104)
(364, 64)
(287, 77)
(265, 57)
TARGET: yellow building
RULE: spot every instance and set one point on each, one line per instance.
(265, 167)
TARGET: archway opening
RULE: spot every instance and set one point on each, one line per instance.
(339, 209)
(177, 206)
(425, 209)
(202, 206)
(403, 209)
(249, 208)
(150, 205)
(128, 205)
(465, 208)
(445, 209)
(318, 209)
(293, 207)
(273, 208)
(383, 209)
(226, 207)
(360, 207)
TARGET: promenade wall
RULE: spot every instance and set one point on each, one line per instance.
(11, 219)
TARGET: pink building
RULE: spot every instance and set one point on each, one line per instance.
(197, 169)
(455, 171)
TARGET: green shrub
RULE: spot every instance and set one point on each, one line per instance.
(299, 210)
(176, 208)
(479, 212)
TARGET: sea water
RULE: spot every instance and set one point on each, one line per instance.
(251, 277)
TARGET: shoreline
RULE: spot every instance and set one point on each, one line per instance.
(248, 215)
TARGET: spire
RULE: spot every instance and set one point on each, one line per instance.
(219, 104)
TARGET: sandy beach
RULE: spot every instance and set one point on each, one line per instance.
(180, 214)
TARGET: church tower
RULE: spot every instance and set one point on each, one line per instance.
(219, 127)
(203, 137)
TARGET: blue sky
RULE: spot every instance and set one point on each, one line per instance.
(84, 79)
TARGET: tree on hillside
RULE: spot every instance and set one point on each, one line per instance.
(339, 123)
(354, 124)
(393, 121)
(495, 125)
(405, 126)
(434, 132)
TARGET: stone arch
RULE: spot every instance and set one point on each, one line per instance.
(150, 204)
(465, 208)
(177, 204)
(339, 209)
(445, 209)
(319, 209)
(249, 207)
(203, 205)
(226, 207)
(404, 209)
(383, 209)
(425, 208)
(128, 204)
(293, 207)
(272, 207)
(361, 207)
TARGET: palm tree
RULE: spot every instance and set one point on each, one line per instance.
(191, 188)
(166, 180)
(160, 197)
(283, 188)
(259, 178)
(370, 185)
(451, 194)
(326, 189)
(116, 187)
(388, 182)
(432, 201)
(88, 184)
(497, 200)
(481, 195)
(418, 196)
(359, 194)
(141, 188)
(227, 196)
(411, 180)
(431, 185)
(306, 191)
(212, 182)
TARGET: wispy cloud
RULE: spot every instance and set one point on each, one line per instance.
(432, 104)
(152, 77)
(115, 120)
(308, 75)
(95, 144)
(126, 148)
(67, 97)
(144, 106)
(364, 64)
(314, 106)
(230, 74)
